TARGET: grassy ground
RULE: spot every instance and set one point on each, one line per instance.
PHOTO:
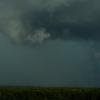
(49, 93)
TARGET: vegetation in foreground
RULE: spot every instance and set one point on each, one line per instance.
(49, 93)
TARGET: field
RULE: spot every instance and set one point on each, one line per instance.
(49, 93)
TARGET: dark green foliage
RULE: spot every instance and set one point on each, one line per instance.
(49, 93)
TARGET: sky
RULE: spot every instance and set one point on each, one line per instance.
(50, 42)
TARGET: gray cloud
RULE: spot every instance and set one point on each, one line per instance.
(65, 19)
(32, 21)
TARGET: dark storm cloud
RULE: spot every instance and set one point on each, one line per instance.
(35, 21)
(55, 62)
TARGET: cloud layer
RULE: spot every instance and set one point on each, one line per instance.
(35, 21)
(50, 21)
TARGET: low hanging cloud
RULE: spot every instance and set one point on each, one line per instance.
(36, 21)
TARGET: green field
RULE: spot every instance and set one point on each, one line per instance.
(49, 93)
